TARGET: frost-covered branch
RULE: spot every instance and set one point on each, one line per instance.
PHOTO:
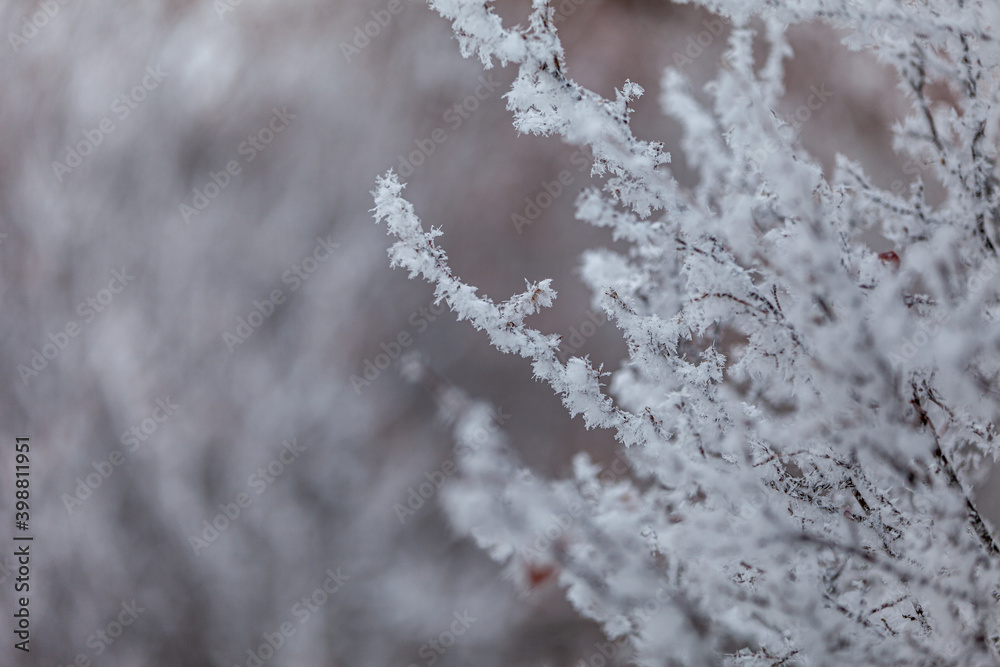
(804, 416)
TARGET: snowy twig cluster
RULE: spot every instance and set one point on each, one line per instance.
(804, 417)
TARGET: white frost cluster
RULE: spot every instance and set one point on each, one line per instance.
(804, 417)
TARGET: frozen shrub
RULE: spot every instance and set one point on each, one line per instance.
(804, 417)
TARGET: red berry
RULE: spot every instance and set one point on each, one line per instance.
(889, 258)
(539, 574)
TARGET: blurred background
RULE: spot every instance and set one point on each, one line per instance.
(190, 278)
